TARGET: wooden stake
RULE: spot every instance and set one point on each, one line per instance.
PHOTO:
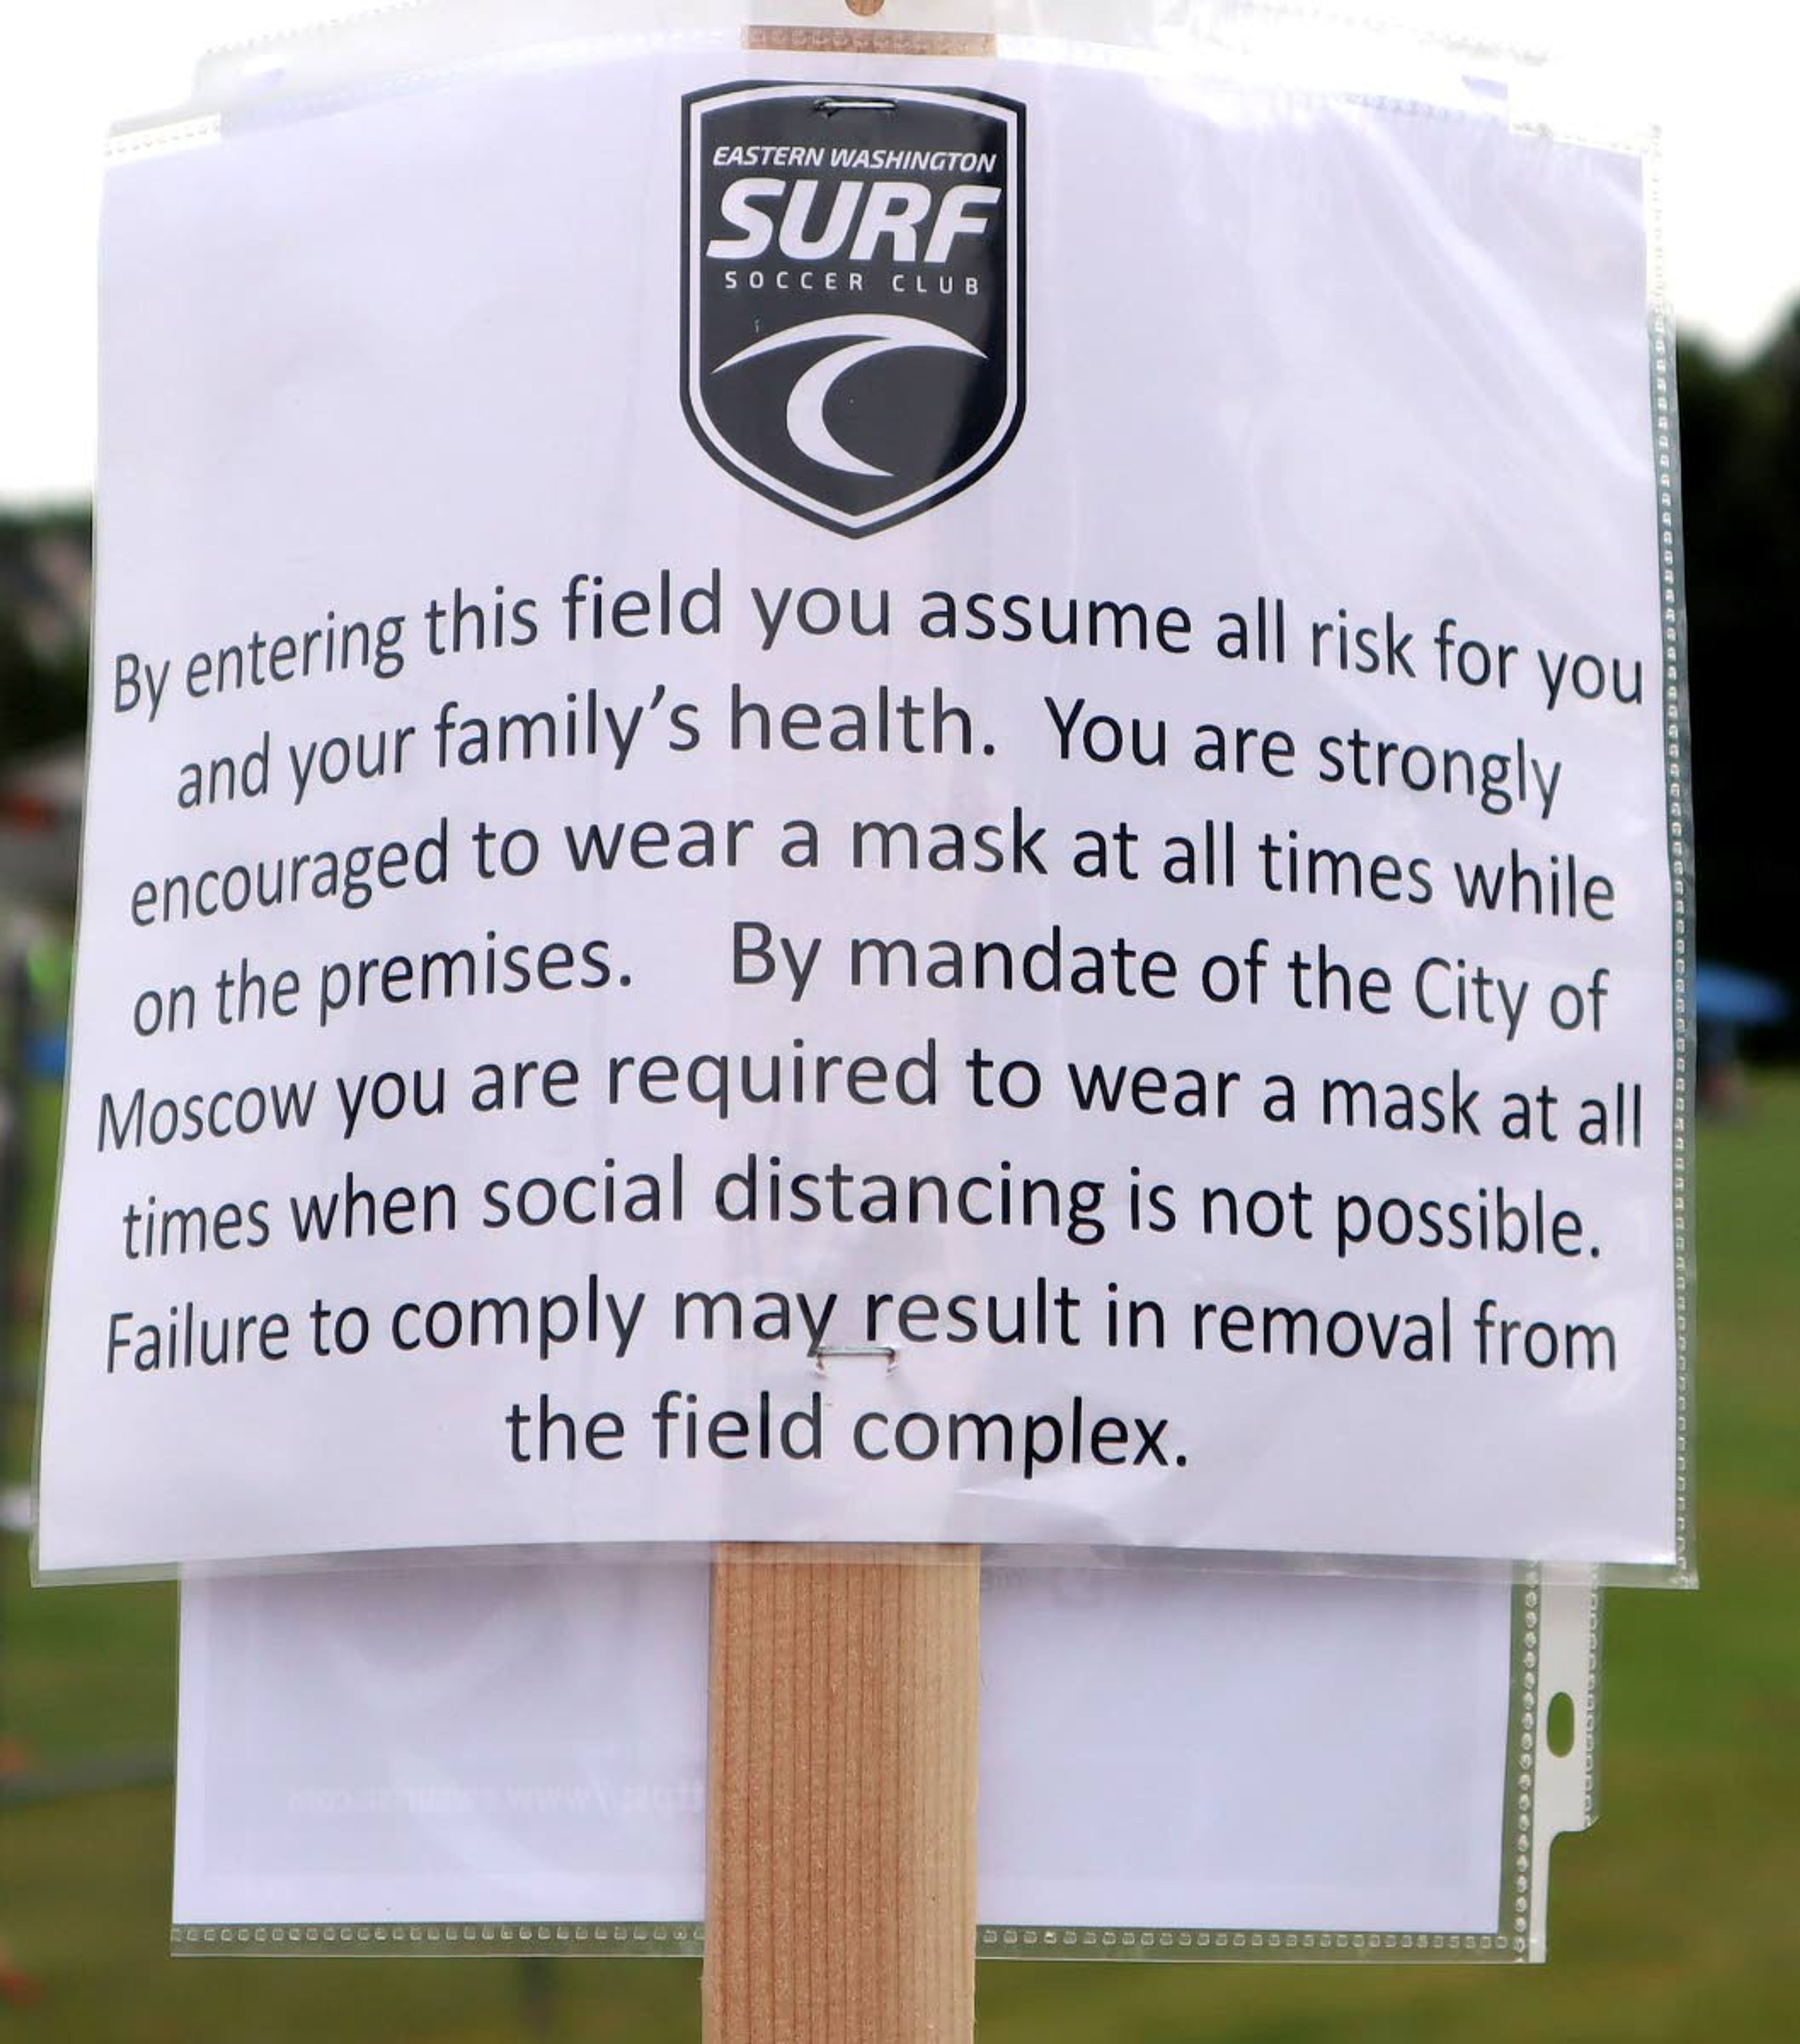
(840, 1811)
(840, 1905)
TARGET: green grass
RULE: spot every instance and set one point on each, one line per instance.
(1677, 1918)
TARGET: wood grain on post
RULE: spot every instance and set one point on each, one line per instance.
(841, 1763)
(840, 1905)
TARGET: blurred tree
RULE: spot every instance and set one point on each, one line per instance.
(45, 579)
(1740, 501)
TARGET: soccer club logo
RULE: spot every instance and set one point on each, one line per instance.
(853, 337)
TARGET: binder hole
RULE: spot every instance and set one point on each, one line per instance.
(864, 8)
(1559, 1725)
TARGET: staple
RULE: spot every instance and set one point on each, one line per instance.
(821, 1351)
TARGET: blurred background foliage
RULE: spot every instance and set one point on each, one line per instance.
(1740, 502)
(44, 582)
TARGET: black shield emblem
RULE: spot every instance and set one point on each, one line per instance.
(853, 338)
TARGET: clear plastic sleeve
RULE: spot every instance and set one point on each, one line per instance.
(512, 1757)
(688, 938)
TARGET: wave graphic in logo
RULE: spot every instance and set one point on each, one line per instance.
(862, 337)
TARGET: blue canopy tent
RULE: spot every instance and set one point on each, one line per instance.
(1727, 995)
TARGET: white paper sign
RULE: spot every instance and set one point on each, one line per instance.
(1002, 714)
(526, 1742)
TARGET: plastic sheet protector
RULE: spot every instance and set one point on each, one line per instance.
(927, 791)
(514, 1756)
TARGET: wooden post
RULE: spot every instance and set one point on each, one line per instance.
(840, 1904)
(840, 1801)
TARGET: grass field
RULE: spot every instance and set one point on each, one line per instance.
(1677, 1918)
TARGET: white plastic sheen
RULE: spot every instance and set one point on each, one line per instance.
(1342, 363)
